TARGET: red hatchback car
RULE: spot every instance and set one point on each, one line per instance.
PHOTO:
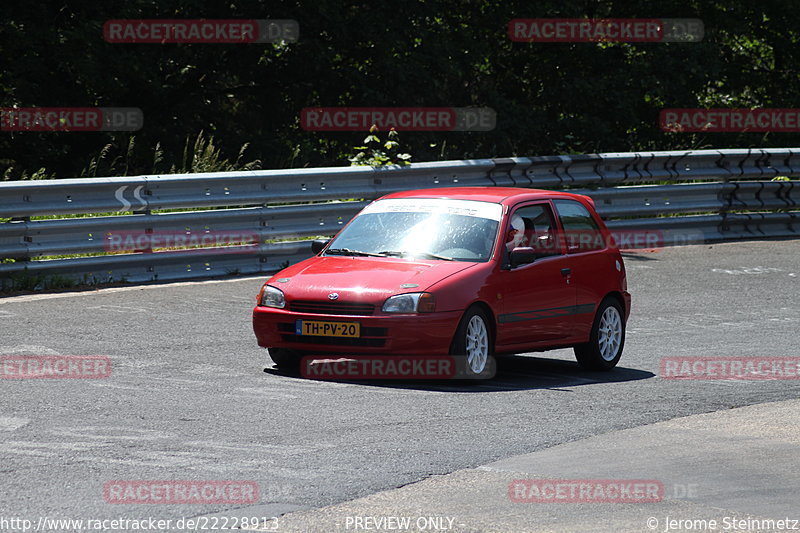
(472, 271)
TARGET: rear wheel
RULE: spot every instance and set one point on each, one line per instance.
(284, 358)
(607, 338)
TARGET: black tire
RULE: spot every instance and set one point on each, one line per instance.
(284, 358)
(473, 365)
(604, 348)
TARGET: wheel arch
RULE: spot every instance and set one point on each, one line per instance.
(486, 308)
(617, 296)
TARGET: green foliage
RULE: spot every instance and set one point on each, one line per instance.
(26, 281)
(203, 156)
(112, 164)
(549, 97)
(377, 154)
(11, 174)
(200, 154)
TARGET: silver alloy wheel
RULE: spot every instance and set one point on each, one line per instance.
(477, 344)
(609, 335)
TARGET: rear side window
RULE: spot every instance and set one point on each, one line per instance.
(581, 232)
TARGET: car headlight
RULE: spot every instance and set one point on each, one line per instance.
(413, 302)
(271, 297)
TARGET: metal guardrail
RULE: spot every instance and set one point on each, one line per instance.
(326, 198)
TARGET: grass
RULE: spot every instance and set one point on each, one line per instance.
(27, 282)
(166, 250)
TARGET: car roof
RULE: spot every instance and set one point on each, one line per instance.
(498, 195)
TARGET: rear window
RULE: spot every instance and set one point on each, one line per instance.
(581, 232)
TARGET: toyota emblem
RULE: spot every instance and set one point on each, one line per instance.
(333, 296)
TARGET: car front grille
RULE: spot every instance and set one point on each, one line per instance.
(331, 307)
(334, 341)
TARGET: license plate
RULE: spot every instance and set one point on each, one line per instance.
(327, 329)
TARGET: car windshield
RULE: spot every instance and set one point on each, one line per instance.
(459, 230)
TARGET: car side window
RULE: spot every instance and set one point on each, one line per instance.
(581, 232)
(539, 233)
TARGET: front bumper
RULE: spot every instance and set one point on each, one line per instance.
(420, 334)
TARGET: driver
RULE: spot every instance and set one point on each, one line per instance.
(516, 233)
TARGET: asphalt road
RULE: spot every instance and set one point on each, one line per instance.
(189, 397)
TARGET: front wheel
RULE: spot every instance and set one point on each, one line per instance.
(607, 339)
(473, 340)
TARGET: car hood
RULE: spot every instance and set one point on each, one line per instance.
(361, 279)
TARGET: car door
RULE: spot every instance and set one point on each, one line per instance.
(586, 249)
(537, 297)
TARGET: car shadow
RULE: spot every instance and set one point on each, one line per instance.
(638, 256)
(519, 372)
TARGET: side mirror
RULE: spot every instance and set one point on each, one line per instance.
(318, 244)
(522, 256)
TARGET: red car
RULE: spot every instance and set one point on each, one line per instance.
(472, 271)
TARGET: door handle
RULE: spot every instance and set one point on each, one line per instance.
(566, 271)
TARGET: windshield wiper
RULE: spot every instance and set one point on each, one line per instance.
(426, 254)
(348, 251)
